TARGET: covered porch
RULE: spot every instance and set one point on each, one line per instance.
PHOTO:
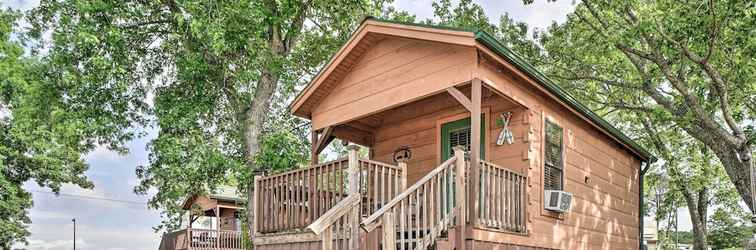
(409, 179)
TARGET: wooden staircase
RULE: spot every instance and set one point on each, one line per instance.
(413, 219)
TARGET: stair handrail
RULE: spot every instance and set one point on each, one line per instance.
(335, 213)
(369, 223)
(425, 210)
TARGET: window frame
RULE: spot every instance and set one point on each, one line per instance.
(485, 110)
(546, 147)
(456, 125)
(541, 164)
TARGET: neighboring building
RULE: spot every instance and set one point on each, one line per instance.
(650, 233)
(211, 222)
(407, 92)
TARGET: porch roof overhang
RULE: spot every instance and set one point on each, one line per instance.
(371, 27)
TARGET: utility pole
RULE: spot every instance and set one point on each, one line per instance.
(74, 233)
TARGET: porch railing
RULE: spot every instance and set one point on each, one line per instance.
(210, 239)
(294, 199)
(379, 183)
(502, 199)
(202, 239)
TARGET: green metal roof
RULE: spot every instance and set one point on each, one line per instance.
(512, 57)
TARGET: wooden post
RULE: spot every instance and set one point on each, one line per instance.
(459, 187)
(354, 189)
(389, 235)
(327, 238)
(255, 206)
(475, 151)
(403, 166)
(217, 229)
(314, 147)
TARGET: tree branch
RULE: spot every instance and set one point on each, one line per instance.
(295, 28)
(140, 24)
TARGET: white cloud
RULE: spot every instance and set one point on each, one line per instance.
(48, 215)
(20, 4)
(540, 14)
(54, 244)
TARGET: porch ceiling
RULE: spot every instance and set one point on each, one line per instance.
(362, 130)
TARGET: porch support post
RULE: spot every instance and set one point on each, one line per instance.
(313, 146)
(256, 207)
(475, 94)
(218, 226)
(354, 189)
(459, 198)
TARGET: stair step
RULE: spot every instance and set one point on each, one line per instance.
(444, 244)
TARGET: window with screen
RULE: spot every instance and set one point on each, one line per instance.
(458, 133)
(459, 137)
(553, 162)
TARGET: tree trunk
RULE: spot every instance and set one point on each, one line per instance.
(739, 171)
(697, 207)
(253, 126)
(736, 161)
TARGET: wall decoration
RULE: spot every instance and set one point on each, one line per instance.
(506, 134)
(403, 153)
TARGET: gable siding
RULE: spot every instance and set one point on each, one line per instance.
(393, 72)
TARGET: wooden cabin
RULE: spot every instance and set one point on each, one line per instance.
(465, 140)
(211, 222)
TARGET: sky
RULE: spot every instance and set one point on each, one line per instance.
(111, 216)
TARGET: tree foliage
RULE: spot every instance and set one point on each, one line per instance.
(219, 74)
(467, 14)
(729, 230)
(44, 129)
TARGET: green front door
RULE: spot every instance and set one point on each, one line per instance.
(453, 134)
(458, 133)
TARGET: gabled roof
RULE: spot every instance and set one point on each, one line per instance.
(222, 193)
(372, 29)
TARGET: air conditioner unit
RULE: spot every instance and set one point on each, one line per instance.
(558, 201)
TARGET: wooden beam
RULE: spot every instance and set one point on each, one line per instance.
(459, 188)
(346, 132)
(324, 139)
(461, 98)
(361, 126)
(313, 146)
(502, 92)
(475, 93)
